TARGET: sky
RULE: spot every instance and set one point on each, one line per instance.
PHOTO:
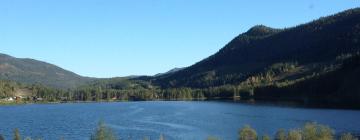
(110, 38)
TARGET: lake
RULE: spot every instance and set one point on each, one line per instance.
(176, 120)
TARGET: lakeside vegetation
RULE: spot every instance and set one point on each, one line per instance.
(310, 131)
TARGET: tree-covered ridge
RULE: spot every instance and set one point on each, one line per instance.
(334, 88)
(31, 71)
(317, 42)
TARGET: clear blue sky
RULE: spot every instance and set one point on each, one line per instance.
(107, 38)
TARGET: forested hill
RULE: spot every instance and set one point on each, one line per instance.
(31, 71)
(302, 50)
(335, 88)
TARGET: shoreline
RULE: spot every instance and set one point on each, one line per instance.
(287, 104)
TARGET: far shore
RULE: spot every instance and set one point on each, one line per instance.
(290, 104)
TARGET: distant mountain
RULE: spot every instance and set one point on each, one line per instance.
(263, 51)
(31, 71)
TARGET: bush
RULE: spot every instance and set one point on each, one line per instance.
(17, 134)
(103, 132)
(265, 137)
(325, 133)
(280, 135)
(247, 133)
(294, 135)
(347, 136)
(310, 131)
(313, 131)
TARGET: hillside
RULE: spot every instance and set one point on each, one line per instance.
(336, 88)
(170, 71)
(305, 49)
(31, 71)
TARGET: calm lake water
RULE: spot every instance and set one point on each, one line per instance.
(176, 120)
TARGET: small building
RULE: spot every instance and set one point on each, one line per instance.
(34, 98)
(63, 98)
(18, 98)
(9, 99)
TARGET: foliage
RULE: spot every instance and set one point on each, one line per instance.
(103, 132)
(7, 88)
(280, 135)
(310, 131)
(247, 133)
(294, 135)
(348, 136)
(17, 134)
(265, 137)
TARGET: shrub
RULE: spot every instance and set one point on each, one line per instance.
(294, 135)
(247, 133)
(313, 131)
(17, 134)
(325, 133)
(265, 137)
(280, 135)
(103, 132)
(347, 136)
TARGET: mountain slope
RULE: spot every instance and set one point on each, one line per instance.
(37, 72)
(311, 47)
(337, 88)
(169, 72)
